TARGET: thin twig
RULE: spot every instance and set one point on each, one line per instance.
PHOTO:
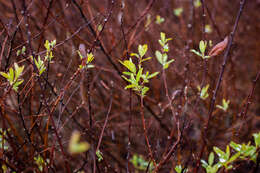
(212, 104)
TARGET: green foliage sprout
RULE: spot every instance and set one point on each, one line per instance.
(202, 48)
(178, 11)
(243, 151)
(39, 162)
(99, 155)
(140, 163)
(136, 75)
(162, 57)
(224, 105)
(209, 166)
(14, 76)
(89, 59)
(179, 169)
(203, 92)
(159, 19)
(21, 51)
(39, 63)
(49, 46)
(3, 144)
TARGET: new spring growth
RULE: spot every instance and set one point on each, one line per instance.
(226, 159)
(86, 58)
(162, 57)
(39, 63)
(13, 76)
(203, 92)
(216, 50)
(75, 146)
(202, 48)
(49, 46)
(136, 75)
(224, 105)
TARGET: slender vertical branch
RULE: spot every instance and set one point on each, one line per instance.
(145, 131)
(213, 100)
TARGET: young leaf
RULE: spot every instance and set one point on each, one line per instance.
(152, 75)
(99, 155)
(159, 56)
(204, 92)
(129, 65)
(5, 75)
(76, 147)
(211, 158)
(134, 54)
(142, 49)
(162, 34)
(159, 20)
(195, 52)
(144, 90)
(178, 168)
(146, 59)
(178, 11)
(257, 139)
(203, 45)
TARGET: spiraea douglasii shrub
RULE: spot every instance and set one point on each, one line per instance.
(129, 86)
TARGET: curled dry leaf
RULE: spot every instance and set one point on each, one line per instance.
(218, 48)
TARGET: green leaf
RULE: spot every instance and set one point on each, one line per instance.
(162, 34)
(146, 59)
(195, 52)
(235, 146)
(219, 152)
(257, 139)
(197, 3)
(178, 11)
(144, 91)
(76, 147)
(159, 20)
(142, 49)
(134, 54)
(11, 76)
(99, 155)
(5, 75)
(165, 57)
(178, 168)
(211, 158)
(224, 105)
(127, 73)
(152, 75)
(204, 92)
(129, 65)
(208, 29)
(16, 84)
(18, 70)
(47, 45)
(130, 86)
(204, 163)
(203, 45)
(234, 157)
(159, 56)
(166, 48)
(128, 80)
(168, 63)
(90, 57)
(18, 52)
(80, 55)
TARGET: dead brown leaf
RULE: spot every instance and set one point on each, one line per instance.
(218, 48)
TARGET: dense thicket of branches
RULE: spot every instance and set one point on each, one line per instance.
(45, 111)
